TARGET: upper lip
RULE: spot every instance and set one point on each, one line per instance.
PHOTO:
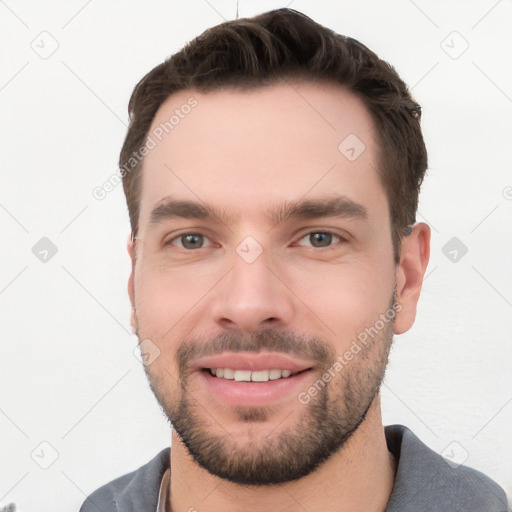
(253, 362)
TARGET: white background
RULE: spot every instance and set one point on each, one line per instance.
(68, 374)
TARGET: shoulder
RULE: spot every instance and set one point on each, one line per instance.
(134, 491)
(426, 480)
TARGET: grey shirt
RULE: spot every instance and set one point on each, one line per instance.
(424, 482)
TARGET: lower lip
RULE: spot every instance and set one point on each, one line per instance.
(253, 394)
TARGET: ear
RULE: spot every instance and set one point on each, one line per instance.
(131, 286)
(414, 256)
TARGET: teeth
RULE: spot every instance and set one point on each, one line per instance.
(274, 374)
(248, 375)
(260, 376)
(229, 373)
(242, 375)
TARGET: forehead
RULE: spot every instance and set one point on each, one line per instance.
(249, 150)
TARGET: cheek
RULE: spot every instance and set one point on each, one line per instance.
(345, 298)
(166, 298)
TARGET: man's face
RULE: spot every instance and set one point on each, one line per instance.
(292, 265)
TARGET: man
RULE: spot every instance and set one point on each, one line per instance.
(272, 171)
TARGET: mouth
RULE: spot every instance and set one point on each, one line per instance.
(253, 380)
(252, 376)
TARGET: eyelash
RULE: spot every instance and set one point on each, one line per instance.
(323, 232)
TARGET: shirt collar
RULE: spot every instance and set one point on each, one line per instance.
(163, 495)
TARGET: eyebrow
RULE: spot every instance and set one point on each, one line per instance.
(337, 206)
(169, 208)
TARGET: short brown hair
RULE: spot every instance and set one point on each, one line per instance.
(280, 44)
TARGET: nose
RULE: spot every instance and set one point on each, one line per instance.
(253, 296)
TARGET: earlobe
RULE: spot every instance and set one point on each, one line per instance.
(414, 256)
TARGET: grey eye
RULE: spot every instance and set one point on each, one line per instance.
(191, 241)
(320, 239)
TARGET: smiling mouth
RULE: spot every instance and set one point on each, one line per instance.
(252, 376)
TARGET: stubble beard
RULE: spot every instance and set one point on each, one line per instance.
(323, 427)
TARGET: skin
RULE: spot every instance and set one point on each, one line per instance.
(246, 152)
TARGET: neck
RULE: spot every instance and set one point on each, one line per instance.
(358, 477)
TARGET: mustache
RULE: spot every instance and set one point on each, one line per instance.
(269, 340)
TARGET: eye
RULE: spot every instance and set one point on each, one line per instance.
(189, 241)
(320, 239)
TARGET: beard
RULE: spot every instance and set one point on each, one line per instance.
(324, 424)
